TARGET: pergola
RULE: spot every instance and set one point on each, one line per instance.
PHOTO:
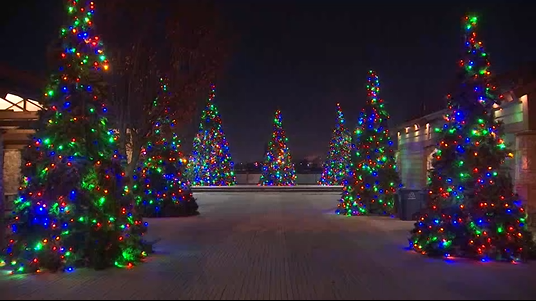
(17, 115)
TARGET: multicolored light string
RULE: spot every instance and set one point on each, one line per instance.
(373, 179)
(73, 207)
(472, 210)
(278, 169)
(210, 163)
(161, 186)
(336, 166)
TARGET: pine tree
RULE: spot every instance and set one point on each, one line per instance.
(278, 169)
(472, 209)
(73, 208)
(161, 186)
(373, 178)
(337, 163)
(210, 163)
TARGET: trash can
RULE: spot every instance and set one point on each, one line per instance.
(410, 202)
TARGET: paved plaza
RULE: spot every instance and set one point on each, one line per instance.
(281, 246)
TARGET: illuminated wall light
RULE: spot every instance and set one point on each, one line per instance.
(407, 129)
(416, 126)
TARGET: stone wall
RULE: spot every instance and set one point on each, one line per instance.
(12, 171)
(3, 200)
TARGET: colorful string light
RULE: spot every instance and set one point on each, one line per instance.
(472, 210)
(373, 179)
(278, 169)
(210, 163)
(73, 207)
(337, 163)
(161, 186)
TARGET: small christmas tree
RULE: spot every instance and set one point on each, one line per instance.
(210, 163)
(472, 210)
(161, 187)
(278, 169)
(373, 179)
(73, 208)
(337, 163)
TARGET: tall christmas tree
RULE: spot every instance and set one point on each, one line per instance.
(73, 208)
(210, 163)
(472, 209)
(161, 187)
(373, 178)
(278, 169)
(337, 162)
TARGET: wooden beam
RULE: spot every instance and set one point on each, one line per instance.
(12, 115)
(16, 144)
(19, 131)
(17, 136)
(22, 124)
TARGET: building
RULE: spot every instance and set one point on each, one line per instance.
(417, 139)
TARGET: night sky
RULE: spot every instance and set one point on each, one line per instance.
(305, 56)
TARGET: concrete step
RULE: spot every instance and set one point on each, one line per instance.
(256, 188)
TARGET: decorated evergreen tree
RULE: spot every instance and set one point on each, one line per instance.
(373, 178)
(210, 163)
(472, 209)
(337, 163)
(73, 208)
(161, 187)
(278, 169)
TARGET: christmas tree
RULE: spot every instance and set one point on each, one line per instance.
(73, 208)
(337, 163)
(210, 163)
(161, 186)
(472, 209)
(373, 178)
(278, 169)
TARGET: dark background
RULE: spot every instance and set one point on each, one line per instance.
(305, 56)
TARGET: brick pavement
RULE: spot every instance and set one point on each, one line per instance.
(281, 246)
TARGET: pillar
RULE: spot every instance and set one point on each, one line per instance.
(11, 175)
(2, 196)
(525, 172)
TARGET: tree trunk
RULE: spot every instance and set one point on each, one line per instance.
(135, 157)
(122, 131)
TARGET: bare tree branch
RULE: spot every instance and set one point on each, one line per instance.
(181, 40)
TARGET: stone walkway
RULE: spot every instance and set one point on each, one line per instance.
(281, 246)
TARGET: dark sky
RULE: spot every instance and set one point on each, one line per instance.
(305, 56)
